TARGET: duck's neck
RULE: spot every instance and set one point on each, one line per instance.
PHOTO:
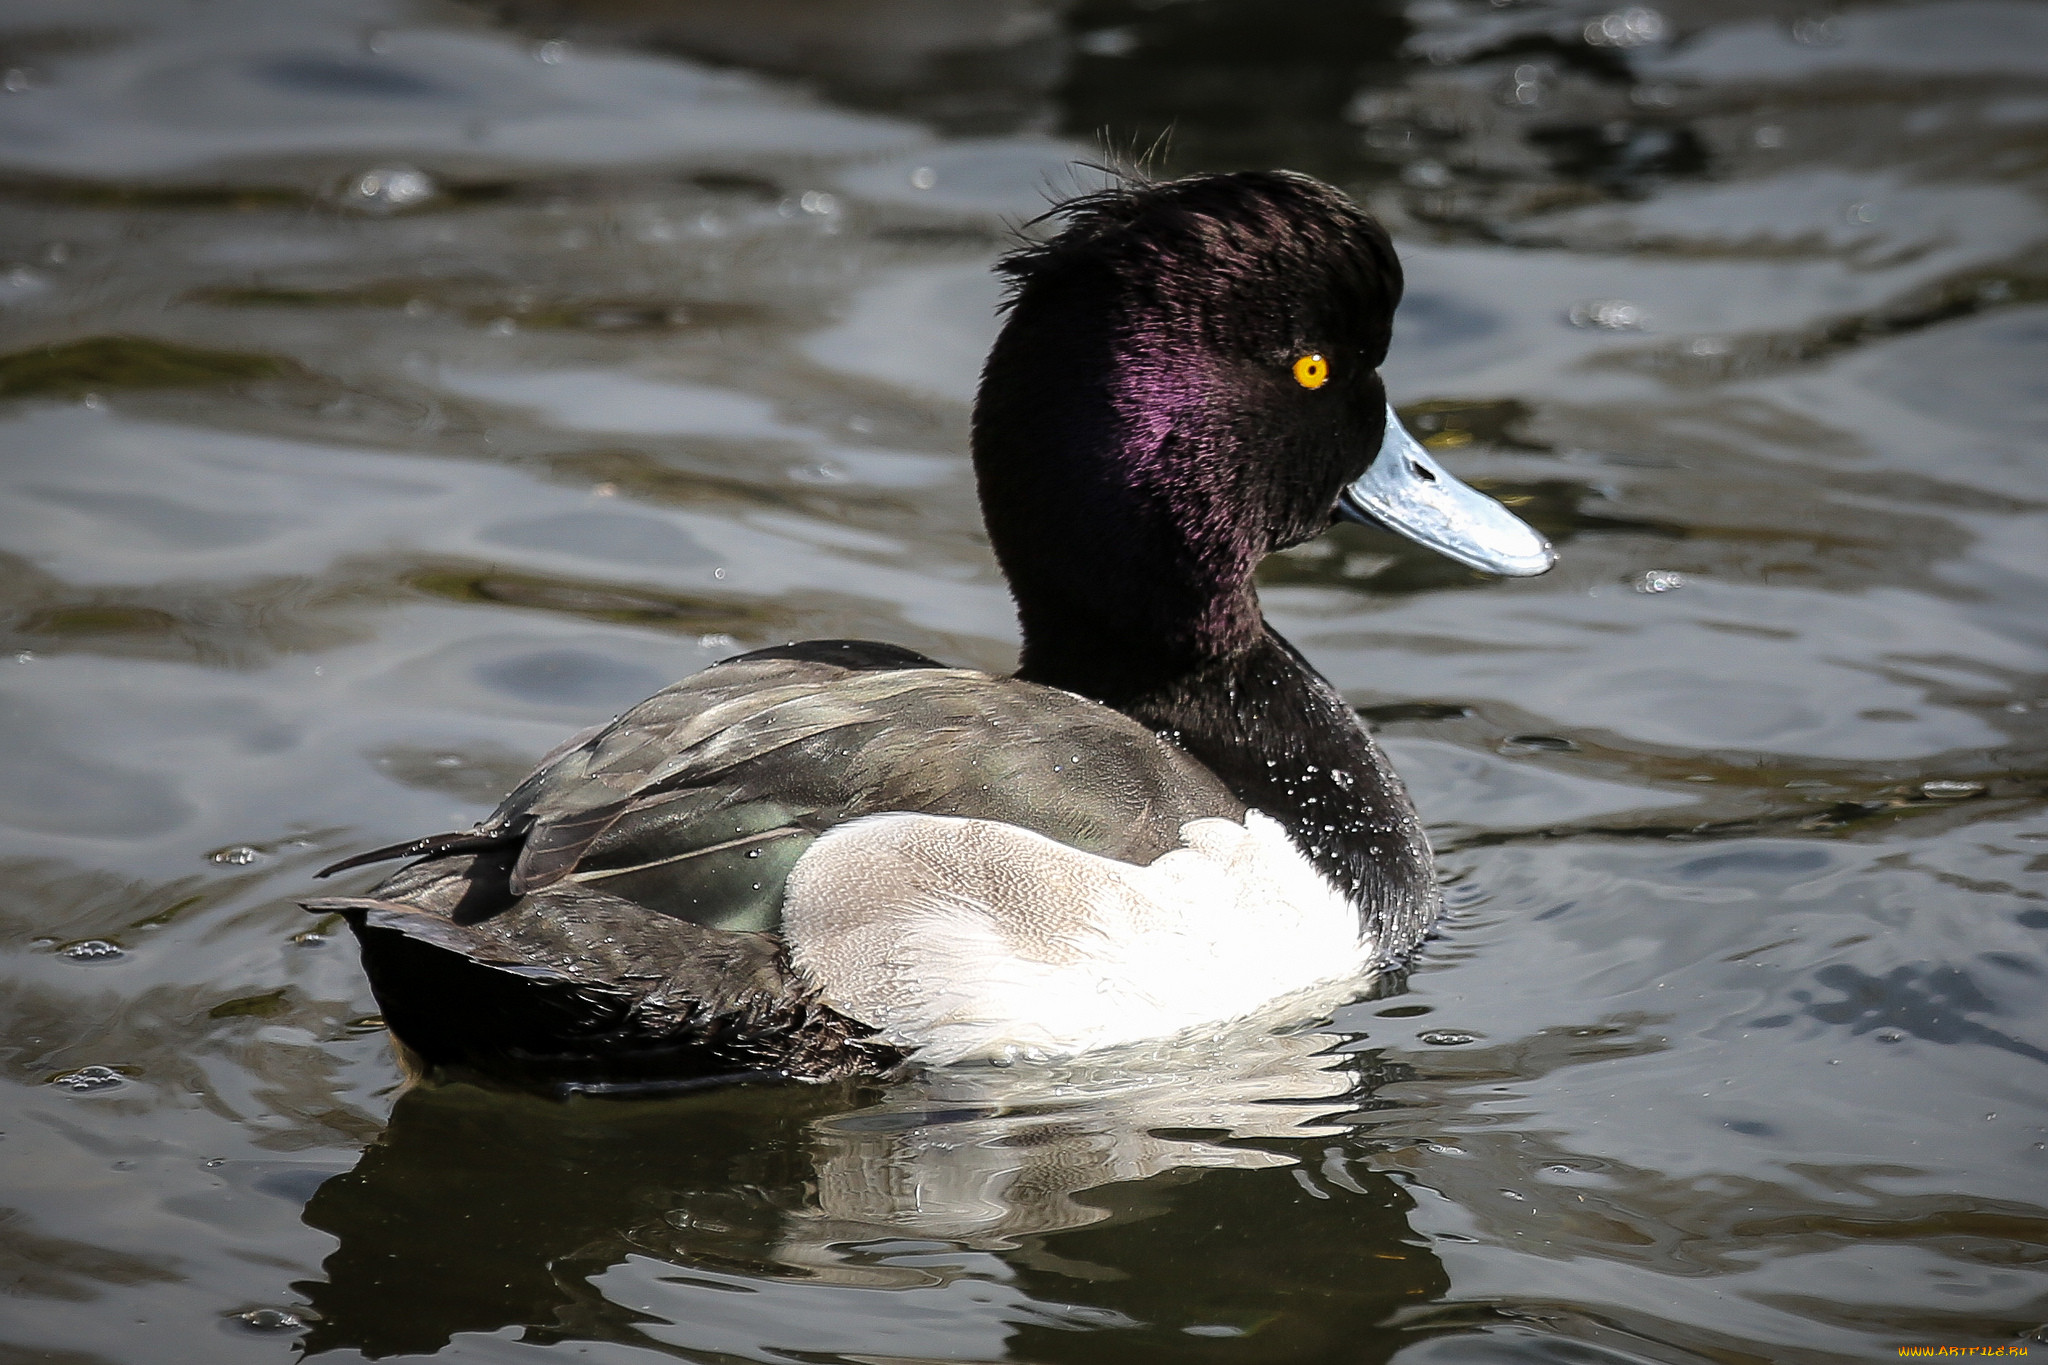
(1286, 744)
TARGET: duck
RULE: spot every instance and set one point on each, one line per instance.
(839, 859)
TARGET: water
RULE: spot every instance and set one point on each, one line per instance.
(390, 389)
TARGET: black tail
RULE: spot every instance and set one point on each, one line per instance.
(574, 986)
(433, 846)
(457, 997)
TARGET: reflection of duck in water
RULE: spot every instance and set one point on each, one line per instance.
(984, 1156)
(980, 1201)
(819, 859)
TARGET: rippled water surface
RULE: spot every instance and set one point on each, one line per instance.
(389, 389)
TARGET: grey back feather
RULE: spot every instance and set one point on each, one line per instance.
(698, 801)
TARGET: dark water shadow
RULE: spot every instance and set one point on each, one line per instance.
(975, 1214)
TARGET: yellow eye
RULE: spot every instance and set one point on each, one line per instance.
(1311, 371)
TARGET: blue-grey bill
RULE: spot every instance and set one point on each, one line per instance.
(1408, 492)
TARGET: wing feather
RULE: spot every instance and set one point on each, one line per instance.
(618, 895)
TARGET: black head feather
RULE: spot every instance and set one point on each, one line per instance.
(1140, 437)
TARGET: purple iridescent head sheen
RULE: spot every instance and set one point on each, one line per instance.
(1140, 440)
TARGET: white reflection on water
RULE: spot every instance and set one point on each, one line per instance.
(986, 1155)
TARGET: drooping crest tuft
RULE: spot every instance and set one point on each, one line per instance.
(1240, 248)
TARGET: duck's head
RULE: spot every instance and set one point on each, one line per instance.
(1188, 380)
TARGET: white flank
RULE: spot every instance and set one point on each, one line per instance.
(968, 939)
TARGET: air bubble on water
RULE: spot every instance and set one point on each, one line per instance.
(387, 189)
(234, 855)
(1636, 26)
(1523, 744)
(1817, 31)
(923, 178)
(1949, 789)
(1654, 581)
(1709, 346)
(1608, 315)
(1525, 86)
(18, 79)
(268, 1320)
(1769, 137)
(819, 203)
(24, 656)
(717, 640)
(89, 1080)
(502, 327)
(553, 52)
(93, 950)
(1446, 1037)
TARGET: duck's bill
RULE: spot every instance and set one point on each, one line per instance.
(1407, 492)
